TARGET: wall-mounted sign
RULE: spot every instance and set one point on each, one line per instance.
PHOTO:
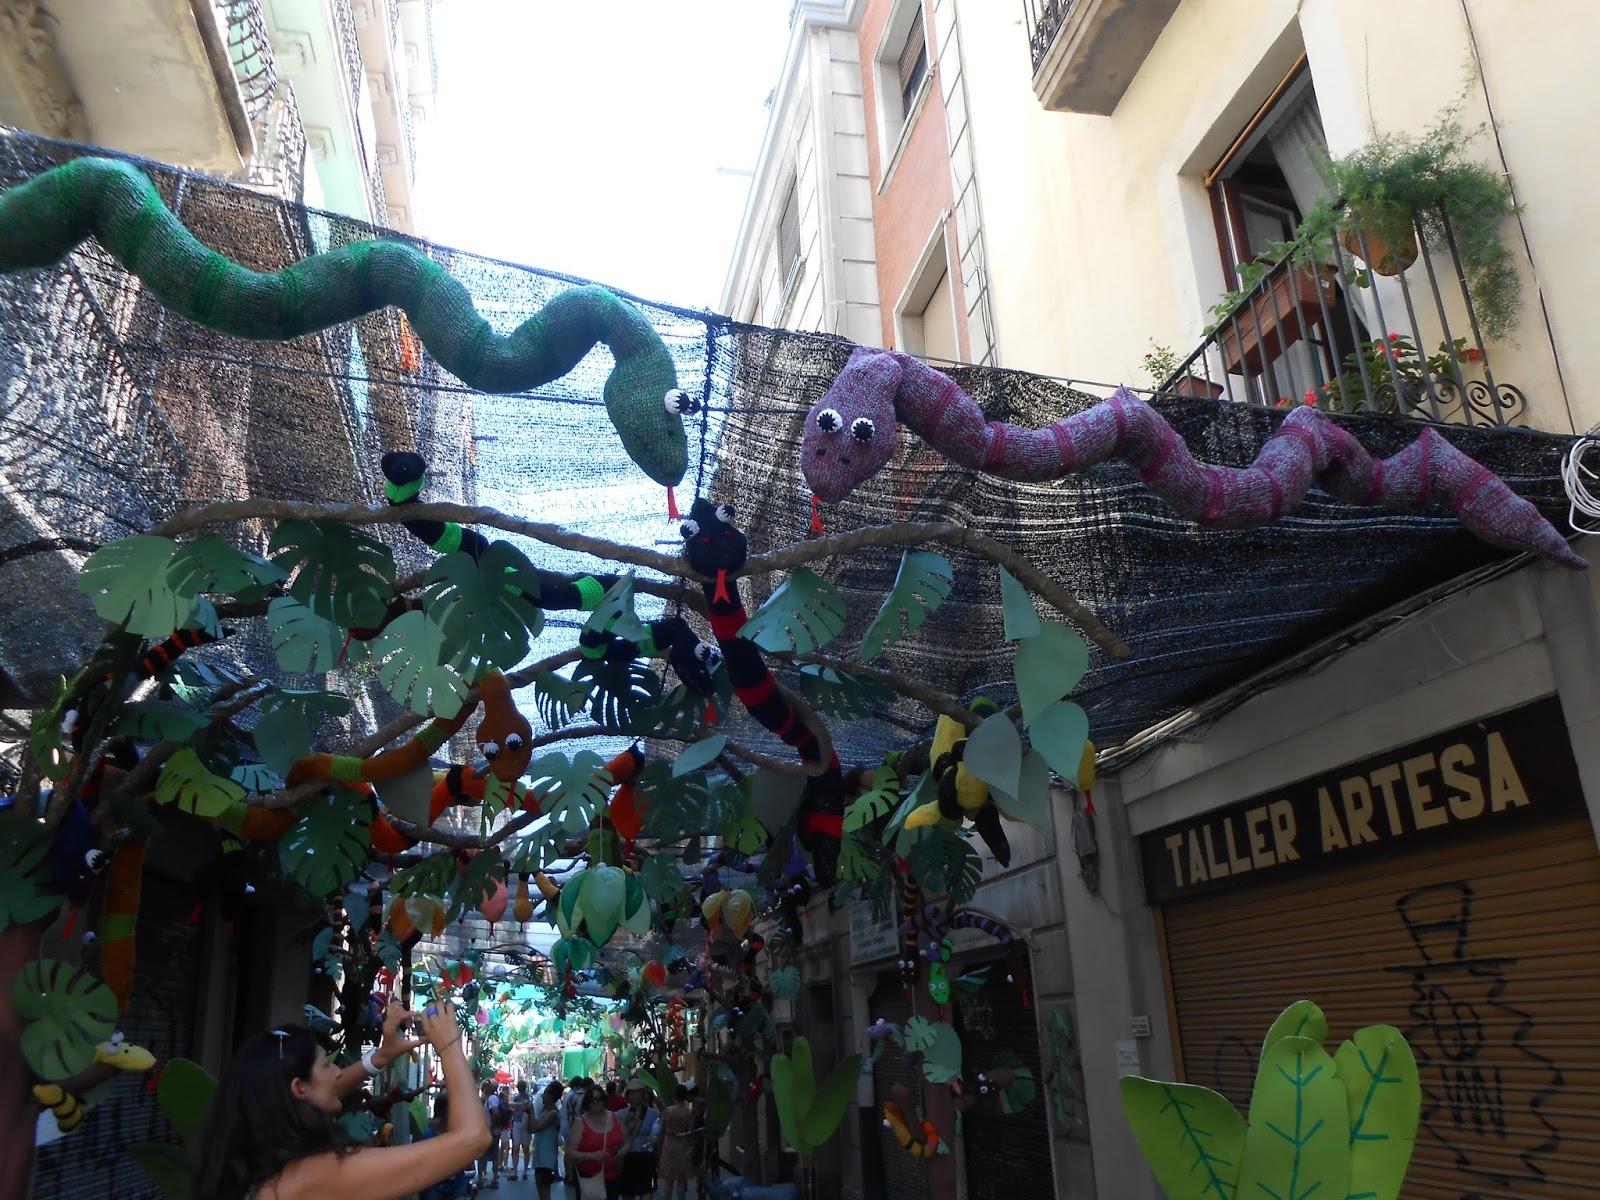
(870, 938)
(1516, 767)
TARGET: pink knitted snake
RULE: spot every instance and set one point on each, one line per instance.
(850, 435)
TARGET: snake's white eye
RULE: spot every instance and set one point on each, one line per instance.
(862, 429)
(679, 403)
(707, 655)
(513, 742)
(725, 513)
(829, 420)
(689, 529)
(491, 749)
(96, 861)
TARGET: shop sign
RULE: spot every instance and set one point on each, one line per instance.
(872, 939)
(1514, 768)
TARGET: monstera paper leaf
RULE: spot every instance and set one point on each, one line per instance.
(615, 613)
(922, 584)
(841, 694)
(127, 581)
(186, 783)
(809, 1114)
(327, 847)
(302, 641)
(409, 653)
(803, 615)
(69, 1013)
(289, 718)
(26, 893)
(622, 692)
(572, 953)
(483, 606)
(214, 564)
(943, 862)
(559, 699)
(571, 791)
(339, 572)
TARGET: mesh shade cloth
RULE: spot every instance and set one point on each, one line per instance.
(117, 413)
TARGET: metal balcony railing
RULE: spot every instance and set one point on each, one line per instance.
(250, 52)
(351, 64)
(1320, 326)
(1043, 19)
(279, 166)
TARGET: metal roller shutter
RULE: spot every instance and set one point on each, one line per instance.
(1485, 953)
(904, 1176)
(1007, 1156)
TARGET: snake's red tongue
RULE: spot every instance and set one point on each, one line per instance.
(721, 594)
(816, 514)
(672, 505)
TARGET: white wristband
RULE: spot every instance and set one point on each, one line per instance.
(367, 1063)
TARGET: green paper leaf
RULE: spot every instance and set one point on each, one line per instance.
(794, 1087)
(700, 755)
(803, 615)
(855, 863)
(127, 581)
(917, 1034)
(871, 805)
(430, 877)
(921, 585)
(483, 608)
(994, 754)
(1384, 1098)
(1032, 801)
(1059, 733)
(743, 831)
(327, 847)
(164, 1165)
(1022, 619)
(615, 614)
(389, 951)
(832, 1099)
(943, 861)
(419, 1113)
(26, 890)
(559, 699)
(774, 795)
(660, 878)
(214, 564)
(1192, 1138)
(303, 642)
(578, 788)
(941, 1061)
(784, 983)
(894, 833)
(623, 693)
(475, 883)
(185, 782)
(1298, 1141)
(158, 720)
(409, 655)
(1049, 666)
(719, 1106)
(340, 572)
(842, 695)
(289, 718)
(69, 1013)
(1301, 1019)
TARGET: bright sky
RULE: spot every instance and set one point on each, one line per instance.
(587, 137)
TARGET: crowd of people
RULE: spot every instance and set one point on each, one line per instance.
(597, 1139)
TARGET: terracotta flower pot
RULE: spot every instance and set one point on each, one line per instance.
(1195, 388)
(1385, 259)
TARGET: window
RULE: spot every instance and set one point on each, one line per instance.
(926, 323)
(789, 235)
(912, 67)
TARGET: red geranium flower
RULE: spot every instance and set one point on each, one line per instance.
(1472, 354)
(1310, 397)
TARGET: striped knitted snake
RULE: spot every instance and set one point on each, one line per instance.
(850, 436)
(43, 219)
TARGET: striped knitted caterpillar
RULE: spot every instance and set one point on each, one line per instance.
(43, 219)
(850, 436)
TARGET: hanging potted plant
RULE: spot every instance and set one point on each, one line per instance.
(1379, 195)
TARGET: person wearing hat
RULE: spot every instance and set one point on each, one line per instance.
(642, 1123)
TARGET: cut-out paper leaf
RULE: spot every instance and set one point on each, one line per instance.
(571, 790)
(1048, 666)
(327, 847)
(127, 581)
(794, 1087)
(784, 983)
(660, 877)
(921, 585)
(994, 754)
(941, 1061)
(622, 694)
(1032, 800)
(774, 795)
(803, 615)
(872, 804)
(842, 695)
(917, 1034)
(615, 613)
(409, 657)
(158, 720)
(943, 861)
(430, 877)
(340, 572)
(256, 778)
(484, 607)
(184, 1093)
(484, 874)
(1059, 733)
(214, 564)
(303, 642)
(559, 699)
(26, 892)
(1022, 619)
(69, 1013)
(699, 755)
(289, 718)
(164, 1164)
(1298, 1140)
(742, 831)
(828, 1106)
(855, 863)
(1384, 1099)
(185, 782)
(1192, 1138)
(1303, 1018)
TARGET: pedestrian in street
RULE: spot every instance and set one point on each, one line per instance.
(487, 1176)
(642, 1123)
(451, 1187)
(272, 1131)
(678, 1136)
(571, 1109)
(521, 1132)
(595, 1147)
(502, 1131)
(545, 1124)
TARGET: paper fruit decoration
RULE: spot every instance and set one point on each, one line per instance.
(596, 902)
(810, 1114)
(733, 910)
(522, 907)
(1327, 1126)
(495, 900)
(655, 974)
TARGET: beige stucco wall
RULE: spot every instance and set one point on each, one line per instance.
(1099, 233)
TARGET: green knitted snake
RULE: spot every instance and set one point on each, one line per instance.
(43, 219)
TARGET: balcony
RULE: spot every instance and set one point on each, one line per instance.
(1086, 52)
(1319, 326)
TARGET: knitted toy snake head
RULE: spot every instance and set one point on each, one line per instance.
(850, 432)
(504, 735)
(710, 542)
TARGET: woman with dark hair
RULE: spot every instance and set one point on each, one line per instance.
(595, 1146)
(545, 1125)
(272, 1132)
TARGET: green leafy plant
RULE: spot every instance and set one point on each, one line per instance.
(1159, 363)
(803, 615)
(1388, 362)
(809, 1114)
(1339, 1126)
(921, 585)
